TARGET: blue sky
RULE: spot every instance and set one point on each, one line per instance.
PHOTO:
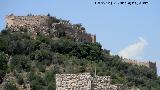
(123, 29)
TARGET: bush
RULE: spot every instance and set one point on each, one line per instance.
(20, 62)
(10, 86)
(49, 76)
(36, 81)
(41, 67)
(36, 86)
(51, 86)
(20, 80)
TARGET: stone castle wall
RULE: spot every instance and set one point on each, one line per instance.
(148, 64)
(48, 25)
(33, 23)
(29, 20)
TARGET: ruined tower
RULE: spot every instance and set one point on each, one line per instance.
(93, 38)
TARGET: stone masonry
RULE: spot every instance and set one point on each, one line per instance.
(73, 81)
(148, 64)
(101, 83)
(84, 81)
(48, 25)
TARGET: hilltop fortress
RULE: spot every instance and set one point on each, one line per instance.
(52, 26)
(48, 25)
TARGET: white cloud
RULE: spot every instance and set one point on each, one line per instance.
(134, 50)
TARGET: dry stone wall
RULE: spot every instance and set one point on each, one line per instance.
(73, 81)
(101, 83)
(84, 81)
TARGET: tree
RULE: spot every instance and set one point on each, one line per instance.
(48, 14)
(3, 65)
(78, 25)
(3, 43)
(43, 55)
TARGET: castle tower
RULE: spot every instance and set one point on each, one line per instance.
(152, 65)
(9, 20)
(93, 38)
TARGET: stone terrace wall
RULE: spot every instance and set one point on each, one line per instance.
(101, 83)
(73, 81)
(85, 81)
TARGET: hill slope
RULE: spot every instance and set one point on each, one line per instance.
(24, 60)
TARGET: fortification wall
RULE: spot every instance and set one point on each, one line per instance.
(29, 20)
(148, 64)
(17, 23)
(48, 25)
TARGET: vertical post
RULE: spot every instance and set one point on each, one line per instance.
(95, 71)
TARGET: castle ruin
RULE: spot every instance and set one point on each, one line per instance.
(48, 25)
(148, 64)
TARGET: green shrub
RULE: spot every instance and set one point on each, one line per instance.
(10, 86)
(20, 80)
